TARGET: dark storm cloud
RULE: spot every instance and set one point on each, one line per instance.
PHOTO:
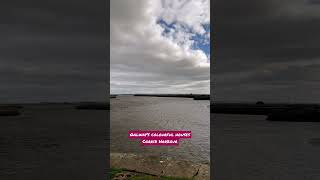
(52, 50)
(266, 50)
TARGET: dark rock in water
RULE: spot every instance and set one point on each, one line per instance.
(94, 106)
(9, 112)
(296, 114)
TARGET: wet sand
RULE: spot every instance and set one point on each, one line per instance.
(53, 141)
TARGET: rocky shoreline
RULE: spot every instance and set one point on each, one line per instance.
(156, 166)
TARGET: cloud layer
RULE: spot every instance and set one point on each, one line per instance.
(52, 51)
(266, 50)
(152, 46)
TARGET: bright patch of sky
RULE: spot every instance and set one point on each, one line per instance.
(196, 40)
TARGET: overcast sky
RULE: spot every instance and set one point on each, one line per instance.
(52, 50)
(267, 50)
(160, 46)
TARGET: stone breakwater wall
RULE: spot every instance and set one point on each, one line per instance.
(160, 166)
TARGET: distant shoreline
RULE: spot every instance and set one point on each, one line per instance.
(194, 96)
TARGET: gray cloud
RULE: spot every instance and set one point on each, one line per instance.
(266, 50)
(52, 51)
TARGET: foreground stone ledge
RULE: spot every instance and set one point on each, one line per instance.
(160, 166)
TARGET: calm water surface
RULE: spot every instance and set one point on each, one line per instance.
(161, 113)
(250, 148)
(53, 142)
